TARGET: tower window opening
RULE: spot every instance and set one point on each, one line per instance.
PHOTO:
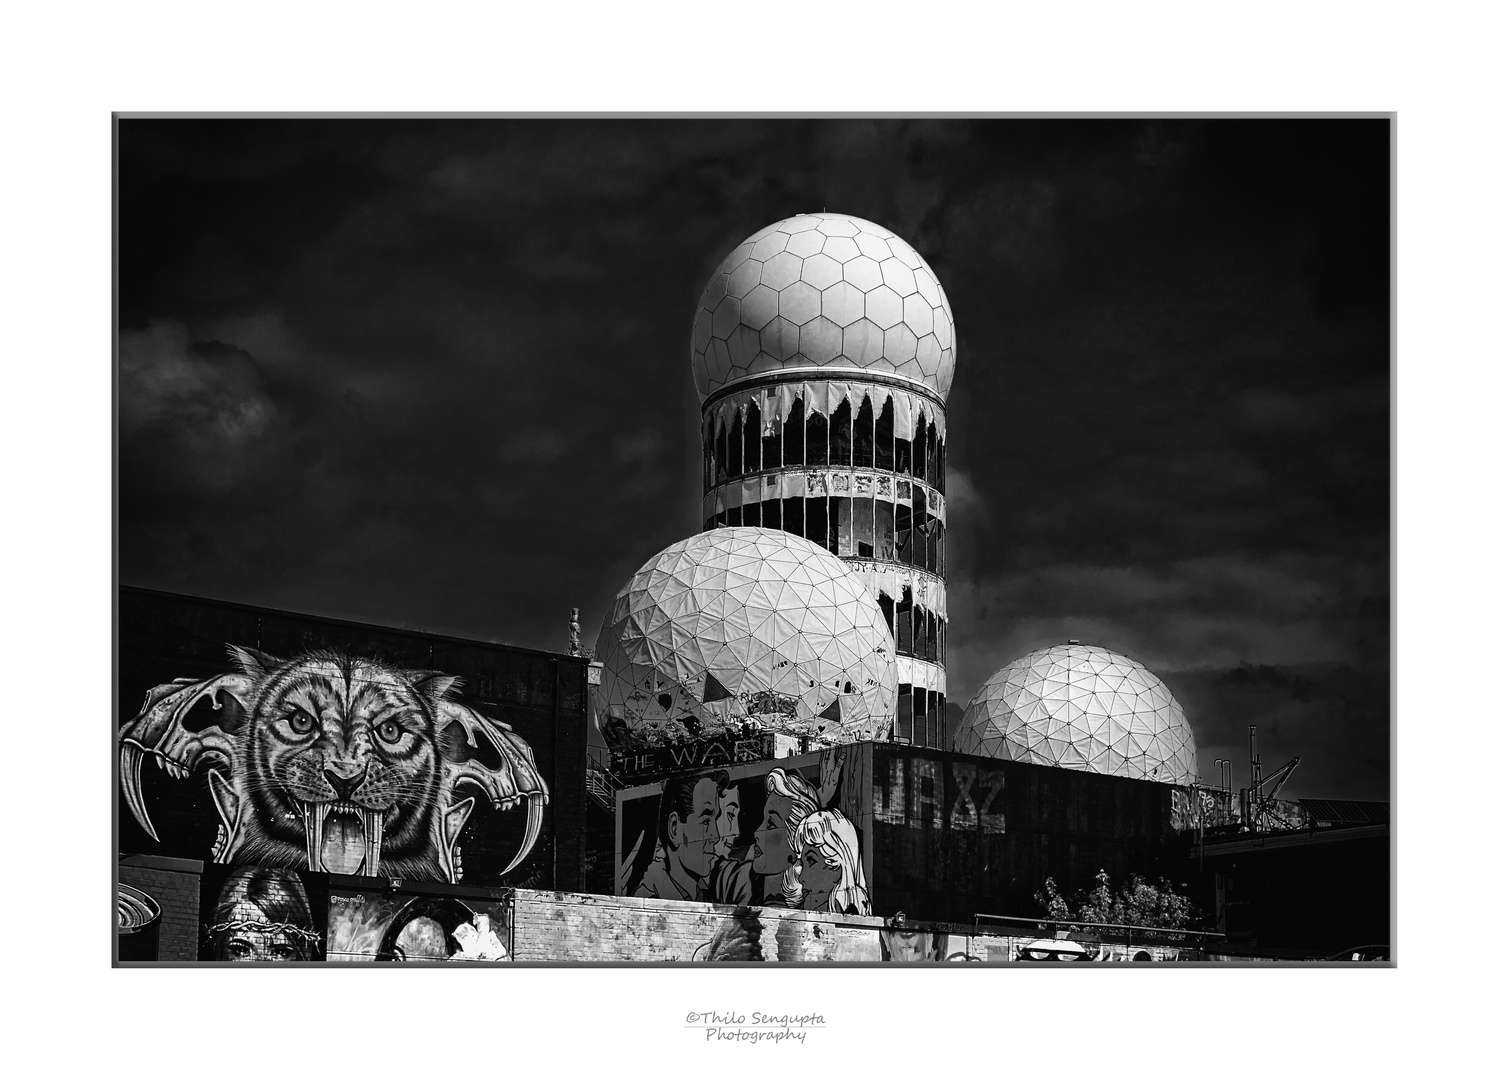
(864, 528)
(942, 467)
(770, 513)
(885, 443)
(709, 457)
(841, 527)
(840, 438)
(791, 515)
(770, 446)
(904, 622)
(817, 520)
(904, 533)
(904, 713)
(888, 609)
(919, 449)
(720, 450)
(932, 456)
(736, 448)
(919, 717)
(817, 439)
(752, 438)
(791, 451)
(864, 435)
(919, 526)
(885, 530)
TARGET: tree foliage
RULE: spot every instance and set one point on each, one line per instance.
(1137, 903)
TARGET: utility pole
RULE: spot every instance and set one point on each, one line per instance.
(1249, 807)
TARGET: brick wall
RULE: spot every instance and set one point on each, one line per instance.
(174, 885)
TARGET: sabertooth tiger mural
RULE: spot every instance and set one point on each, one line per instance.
(334, 763)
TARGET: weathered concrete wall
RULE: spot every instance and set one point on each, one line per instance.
(576, 926)
(573, 927)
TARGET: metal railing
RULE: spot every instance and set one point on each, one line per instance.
(602, 785)
(1127, 933)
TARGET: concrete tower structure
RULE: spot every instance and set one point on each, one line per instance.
(823, 350)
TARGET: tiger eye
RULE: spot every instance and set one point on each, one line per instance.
(301, 722)
(389, 731)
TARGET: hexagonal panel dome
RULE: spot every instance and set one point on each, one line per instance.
(852, 274)
(1081, 707)
(741, 625)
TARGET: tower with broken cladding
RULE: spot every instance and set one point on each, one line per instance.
(823, 350)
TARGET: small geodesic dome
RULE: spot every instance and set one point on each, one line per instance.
(741, 625)
(1081, 707)
(826, 291)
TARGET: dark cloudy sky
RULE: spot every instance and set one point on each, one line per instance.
(436, 373)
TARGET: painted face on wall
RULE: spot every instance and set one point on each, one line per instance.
(772, 852)
(262, 913)
(818, 879)
(255, 939)
(728, 821)
(697, 836)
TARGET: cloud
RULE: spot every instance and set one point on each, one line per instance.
(1334, 717)
(195, 417)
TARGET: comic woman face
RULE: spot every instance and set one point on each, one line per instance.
(818, 879)
(772, 850)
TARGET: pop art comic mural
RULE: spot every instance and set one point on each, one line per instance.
(333, 762)
(259, 913)
(767, 834)
(255, 737)
(383, 926)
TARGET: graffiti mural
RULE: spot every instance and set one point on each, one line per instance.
(260, 913)
(367, 926)
(751, 836)
(333, 762)
(764, 934)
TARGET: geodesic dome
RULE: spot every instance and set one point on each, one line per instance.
(823, 290)
(744, 624)
(1081, 707)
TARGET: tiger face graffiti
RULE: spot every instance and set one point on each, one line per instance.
(344, 762)
(334, 763)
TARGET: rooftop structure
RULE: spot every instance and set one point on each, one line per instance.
(1081, 707)
(744, 628)
(823, 349)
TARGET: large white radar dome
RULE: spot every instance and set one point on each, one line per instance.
(1081, 707)
(823, 291)
(744, 625)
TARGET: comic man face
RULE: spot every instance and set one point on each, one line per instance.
(728, 820)
(696, 838)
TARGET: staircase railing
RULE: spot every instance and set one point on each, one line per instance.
(602, 785)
